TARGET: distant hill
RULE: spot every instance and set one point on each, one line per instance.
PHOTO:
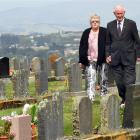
(70, 15)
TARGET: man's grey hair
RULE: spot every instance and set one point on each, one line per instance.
(119, 7)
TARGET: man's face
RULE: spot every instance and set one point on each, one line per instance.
(119, 14)
(95, 23)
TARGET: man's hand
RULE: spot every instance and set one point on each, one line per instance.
(81, 66)
(108, 59)
(138, 59)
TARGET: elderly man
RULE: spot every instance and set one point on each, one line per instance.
(92, 55)
(122, 43)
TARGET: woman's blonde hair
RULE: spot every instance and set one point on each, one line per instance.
(93, 17)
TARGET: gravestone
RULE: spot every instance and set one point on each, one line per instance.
(20, 77)
(82, 116)
(24, 84)
(35, 65)
(20, 83)
(2, 89)
(136, 105)
(21, 126)
(24, 64)
(41, 82)
(50, 119)
(41, 78)
(74, 78)
(111, 82)
(16, 83)
(137, 72)
(110, 119)
(15, 63)
(49, 67)
(4, 67)
(132, 106)
(59, 67)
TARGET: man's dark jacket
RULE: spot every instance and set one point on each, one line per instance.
(122, 49)
(83, 48)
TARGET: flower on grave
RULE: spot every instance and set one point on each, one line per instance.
(6, 118)
(33, 112)
(14, 113)
(26, 108)
(42, 104)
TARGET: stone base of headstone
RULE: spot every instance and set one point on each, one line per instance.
(21, 126)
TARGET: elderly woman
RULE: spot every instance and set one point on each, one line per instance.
(92, 56)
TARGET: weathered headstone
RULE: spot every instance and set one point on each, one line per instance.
(82, 116)
(2, 89)
(35, 65)
(138, 72)
(50, 119)
(20, 83)
(110, 119)
(16, 83)
(132, 107)
(74, 78)
(59, 67)
(41, 82)
(24, 84)
(111, 81)
(41, 78)
(15, 63)
(24, 64)
(136, 105)
(20, 76)
(49, 67)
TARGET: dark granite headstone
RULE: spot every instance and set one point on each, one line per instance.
(4, 67)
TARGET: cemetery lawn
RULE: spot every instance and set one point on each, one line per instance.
(67, 115)
(54, 86)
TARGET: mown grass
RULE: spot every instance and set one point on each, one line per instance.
(67, 107)
(7, 112)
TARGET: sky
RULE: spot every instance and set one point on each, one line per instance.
(77, 12)
(9, 4)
